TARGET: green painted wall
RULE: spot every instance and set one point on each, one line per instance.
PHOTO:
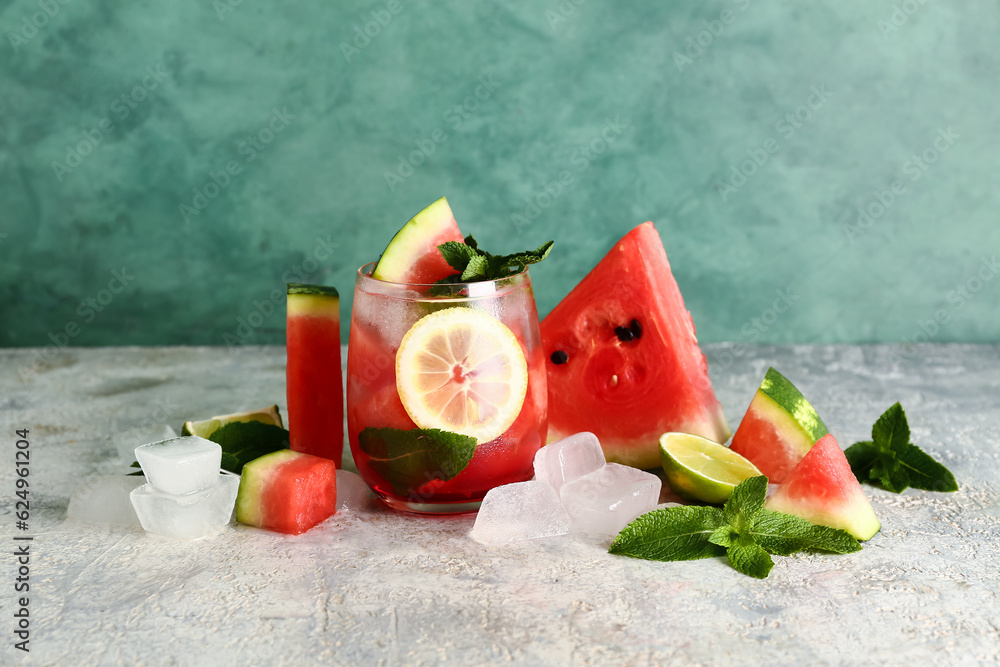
(115, 115)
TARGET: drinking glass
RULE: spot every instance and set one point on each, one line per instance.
(417, 470)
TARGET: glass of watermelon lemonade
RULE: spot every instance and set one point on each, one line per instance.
(446, 392)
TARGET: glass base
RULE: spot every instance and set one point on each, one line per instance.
(456, 507)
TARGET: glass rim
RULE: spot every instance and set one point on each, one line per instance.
(364, 274)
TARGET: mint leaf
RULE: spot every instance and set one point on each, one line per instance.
(862, 457)
(784, 534)
(242, 442)
(750, 558)
(892, 432)
(724, 536)
(742, 530)
(475, 264)
(925, 473)
(410, 459)
(671, 534)
(457, 254)
(891, 461)
(745, 502)
(475, 269)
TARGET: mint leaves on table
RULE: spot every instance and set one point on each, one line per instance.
(242, 442)
(742, 530)
(891, 461)
(409, 459)
(476, 265)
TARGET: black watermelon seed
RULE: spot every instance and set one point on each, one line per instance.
(624, 334)
(635, 328)
(559, 357)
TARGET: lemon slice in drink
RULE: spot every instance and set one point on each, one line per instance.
(461, 370)
(699, 469)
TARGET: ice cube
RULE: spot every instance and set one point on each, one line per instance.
(126, 441)
(181, 465)
(105, 499)
(568, 459)
(606, 500)
(352, 492)
(190, 515)
(519, 511)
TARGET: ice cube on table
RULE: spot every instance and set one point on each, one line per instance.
(519, 511)
(606, 500)
(568, 459)
(352, 492)
(126, 441)
(105, 499)
(180, 465)
(191, 515)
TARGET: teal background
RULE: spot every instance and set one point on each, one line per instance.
(562, 73)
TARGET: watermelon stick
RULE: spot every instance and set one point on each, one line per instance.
(313, 379)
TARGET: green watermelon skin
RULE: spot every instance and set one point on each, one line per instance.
(822, 490)
(628, 392)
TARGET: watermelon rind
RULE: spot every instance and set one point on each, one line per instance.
(315, 290)
(823, 490)
(313, 301)
(412, 242)
(780, 390)
(255, 477)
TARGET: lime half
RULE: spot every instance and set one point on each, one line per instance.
(699, 469)
(207, 427)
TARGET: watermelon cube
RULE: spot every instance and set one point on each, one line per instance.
(287, 492)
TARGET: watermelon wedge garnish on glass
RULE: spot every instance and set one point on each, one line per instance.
(412, 255)
(623, 360)
(313, 376)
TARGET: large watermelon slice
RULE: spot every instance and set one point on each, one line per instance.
(623, 360)
(312, 376)
(780, 426)
(822, 489)
(412, 255)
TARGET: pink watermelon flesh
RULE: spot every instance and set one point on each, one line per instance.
(622, 357)
(822, 490)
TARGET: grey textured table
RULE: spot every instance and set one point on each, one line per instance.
(382, 588)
